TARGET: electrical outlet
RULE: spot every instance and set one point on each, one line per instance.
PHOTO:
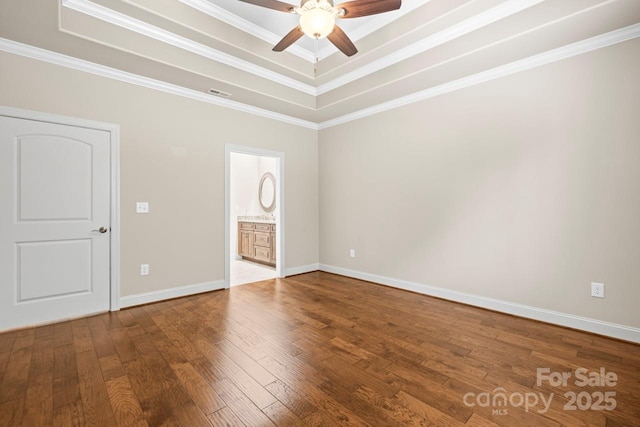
(144, 269)
(352, 253)
(597, 290)
(142, 207)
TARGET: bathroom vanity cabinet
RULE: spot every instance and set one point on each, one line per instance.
(257, 241)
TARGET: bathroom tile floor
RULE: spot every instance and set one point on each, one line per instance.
(243, 272)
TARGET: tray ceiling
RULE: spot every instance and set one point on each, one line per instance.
(426, 48)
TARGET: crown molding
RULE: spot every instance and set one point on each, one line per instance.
(248, 27)
(564, 52)
(450, 33)
(121, 20)
(481, 20)
(39, 54)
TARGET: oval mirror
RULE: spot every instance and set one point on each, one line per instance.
(267, 192)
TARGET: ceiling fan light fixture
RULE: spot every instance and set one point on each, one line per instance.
(318, 19)
(317, 23)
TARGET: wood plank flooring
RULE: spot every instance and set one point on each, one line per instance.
(312, 350)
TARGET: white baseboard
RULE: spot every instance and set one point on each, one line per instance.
(181, 291)
(614, 330)
(301, 270)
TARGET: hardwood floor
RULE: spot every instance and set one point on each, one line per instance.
(317, 350)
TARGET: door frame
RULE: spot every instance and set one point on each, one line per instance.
(280, 245)
(114, 142)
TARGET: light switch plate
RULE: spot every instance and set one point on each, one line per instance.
(142, 207)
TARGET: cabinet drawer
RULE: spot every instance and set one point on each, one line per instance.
(246, 225)
(263, 227)
(262, 254)
(262, 239)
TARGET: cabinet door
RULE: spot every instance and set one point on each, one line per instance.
(263, 227)
(262, 254)
(245, 243)
(262, 239)
(273, 247)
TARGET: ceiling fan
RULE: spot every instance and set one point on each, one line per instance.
(318, 19)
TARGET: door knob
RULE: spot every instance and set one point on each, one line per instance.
(101, 230)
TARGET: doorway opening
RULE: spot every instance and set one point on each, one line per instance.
(254, 215)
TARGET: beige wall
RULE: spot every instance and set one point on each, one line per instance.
(524, 189)
(172, 155)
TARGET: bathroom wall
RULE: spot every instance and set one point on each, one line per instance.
(246, 171)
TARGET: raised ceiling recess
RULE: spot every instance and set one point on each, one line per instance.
(422, 49)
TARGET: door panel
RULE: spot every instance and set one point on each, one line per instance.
(54, 178)
(47, 269)
(54, 197)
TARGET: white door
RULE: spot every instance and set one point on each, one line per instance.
(54, 221)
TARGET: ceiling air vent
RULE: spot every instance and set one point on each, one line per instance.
(217, 92)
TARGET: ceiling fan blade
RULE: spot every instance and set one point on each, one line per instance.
(342, 41)
(289, 39)
(358, 8)
(271, 4)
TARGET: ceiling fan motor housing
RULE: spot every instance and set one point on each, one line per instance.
(318, 2)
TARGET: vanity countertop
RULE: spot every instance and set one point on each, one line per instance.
(262, 219)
